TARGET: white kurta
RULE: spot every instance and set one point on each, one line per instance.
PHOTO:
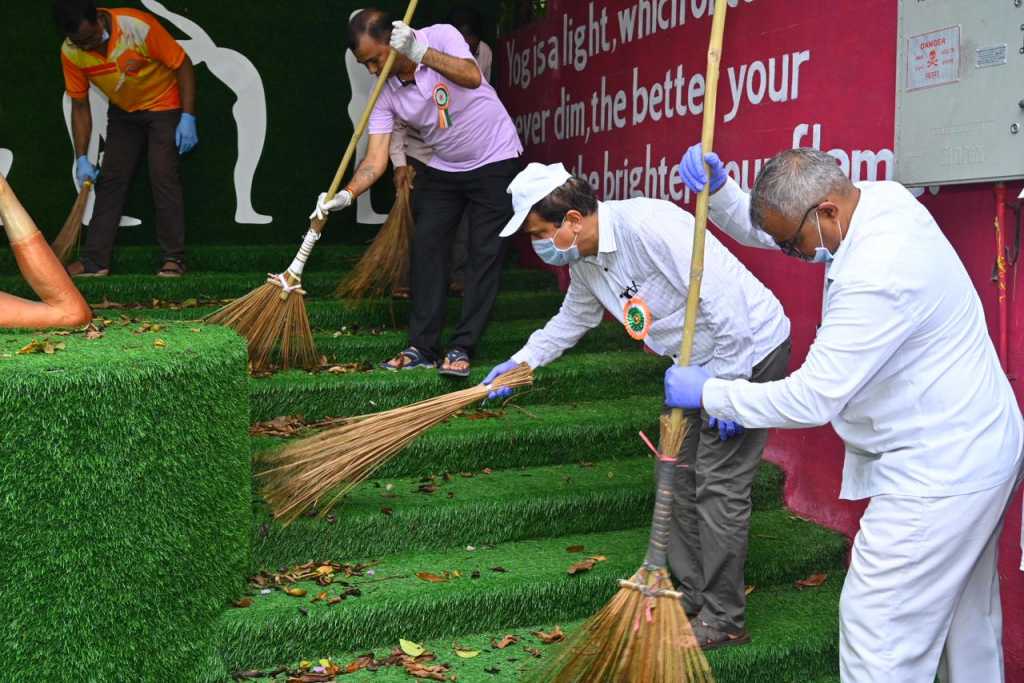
(644, 248)
(905, 371)
(902, 366)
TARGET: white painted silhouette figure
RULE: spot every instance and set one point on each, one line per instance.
(98, 106)
(250, 109)
(6, 161)
(361, 83)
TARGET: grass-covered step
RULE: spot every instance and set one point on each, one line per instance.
(487, 589)
(500, 340)
(430, 513)
(574, 377)
(331, 314)
(202, 286)
(225, 258)
(794, 640)
(124, 500)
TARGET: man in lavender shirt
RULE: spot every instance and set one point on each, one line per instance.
(437, 88)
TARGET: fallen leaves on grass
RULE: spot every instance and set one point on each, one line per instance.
(749, 589)
(812, 581)
(43, 345)
(244, 602)
(532, 651)
(465, 653)
(340, 368)
(585, 565)
(554, 636)
(295, 592)
(410, 648)
(574, 549)
(432, 578)
(323, 573)
(505, 642)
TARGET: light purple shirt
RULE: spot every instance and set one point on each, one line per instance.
(481, 131)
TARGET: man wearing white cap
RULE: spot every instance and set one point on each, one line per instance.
(632, 259)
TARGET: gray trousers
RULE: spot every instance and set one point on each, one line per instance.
(707, 548)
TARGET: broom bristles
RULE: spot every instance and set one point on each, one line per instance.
(339, 458)
(67, 240)
(385, 264)
(267, 322)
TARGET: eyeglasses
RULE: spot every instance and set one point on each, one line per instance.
(788, 247)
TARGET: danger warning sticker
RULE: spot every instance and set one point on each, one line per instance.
(933, 58)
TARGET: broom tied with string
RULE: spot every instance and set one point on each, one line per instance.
(70, 235)
(319, 470)
(643, 635)
(273, 317)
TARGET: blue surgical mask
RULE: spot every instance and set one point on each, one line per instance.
(550, 254)
(822, 254)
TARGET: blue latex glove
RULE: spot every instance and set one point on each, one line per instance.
(691, 170)
(726, 428)
(186, 137)
(684, 386)
(502, 392)
(84, 170)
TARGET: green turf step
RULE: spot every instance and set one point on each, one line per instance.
(395, 515)
(329, 314)
(575, 377)
(794, 640)
(213, 285)
(224, 258)
(500, 340)
(533, 588)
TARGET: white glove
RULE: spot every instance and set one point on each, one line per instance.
(342, 200)
(404, 40)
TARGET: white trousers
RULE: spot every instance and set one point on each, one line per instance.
(922, 593)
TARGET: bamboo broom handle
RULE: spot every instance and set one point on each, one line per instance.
(707, 139)
(364, 120)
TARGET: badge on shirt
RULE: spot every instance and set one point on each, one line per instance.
(637, 318)
(442, 99)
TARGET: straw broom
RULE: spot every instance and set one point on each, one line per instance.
(642, 635)
(338, 459)
(273, 316)
(71, 233)
(386, 263)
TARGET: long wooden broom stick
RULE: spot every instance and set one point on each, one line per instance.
(268, 315)
(70, 234)
(642, 634)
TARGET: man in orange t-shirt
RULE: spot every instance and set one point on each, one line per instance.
(151, 86)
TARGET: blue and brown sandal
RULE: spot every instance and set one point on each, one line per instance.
(710, 638)
(455, 357)
(409, 359)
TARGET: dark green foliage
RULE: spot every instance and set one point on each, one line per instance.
(123, 502)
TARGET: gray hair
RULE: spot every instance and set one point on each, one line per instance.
(793, 181)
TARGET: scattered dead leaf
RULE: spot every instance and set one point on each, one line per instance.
(432, 578)
(465, 653)
(295, 592)
(159, 343)
(585, 565)
(574, 549)
(244, 602)
(532, 651)
(554, 636)
(410, 648)
(488, 470)
(43, 345)
(812, 581)
(499, 570)
(749, 589)
(427, 488)
(505, 642)
(386, 511)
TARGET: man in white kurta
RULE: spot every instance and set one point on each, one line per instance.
(904, 370)
(632, 259)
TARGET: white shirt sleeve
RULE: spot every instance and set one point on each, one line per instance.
(397, 147)
(729, 209)
(723, 306)
(580, 312)
(864, 327)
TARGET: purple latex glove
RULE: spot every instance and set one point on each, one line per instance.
(726, 428)
(691, 170)
(684, 386)
(502, 392)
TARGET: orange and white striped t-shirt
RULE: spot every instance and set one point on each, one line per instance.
(137, 73)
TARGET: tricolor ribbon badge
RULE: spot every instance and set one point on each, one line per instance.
(442, 99)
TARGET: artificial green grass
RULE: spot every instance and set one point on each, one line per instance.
(574, 377)
(214, 285)
(794, 638)
(124, 502)
(397, 515)
(500, 340)
(241, 258)
(334, 314)
(535, 587)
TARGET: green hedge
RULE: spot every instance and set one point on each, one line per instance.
(124, 502)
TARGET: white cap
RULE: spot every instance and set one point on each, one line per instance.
(534, 183)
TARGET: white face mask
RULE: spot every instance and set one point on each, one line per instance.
(822, 254)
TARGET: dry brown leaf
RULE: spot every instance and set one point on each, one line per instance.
(532, 651)
(159, 343)
(749, 590)
(432, 578)
(505, 642)
(574, 549)
(585, 565)
(295, 592)
(549, 638)
(812, 581)
(244, 602)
